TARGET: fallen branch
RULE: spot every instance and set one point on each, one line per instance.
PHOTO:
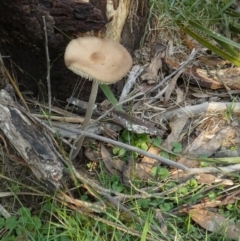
(204, 107)
(132, 77)
(227, 169)
(128, 147)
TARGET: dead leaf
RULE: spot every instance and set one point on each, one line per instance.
(177, 124)
(160, 219)
(215, 222)
(180, 96)
(208, 144)
(140, 170)
(151, 73)
(204, 178)
(143, 169)
(171, 86)
(213, 61)
(115, 166)
(188, 162)
(214, 79)
(201, 95)
(180, 176)
(92, 155)
(186, 40)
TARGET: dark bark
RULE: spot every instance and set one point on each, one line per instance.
(22, 37)
(29, 141)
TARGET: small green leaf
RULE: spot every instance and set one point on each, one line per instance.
(156, 141)
(154, 171)
(127, 135)
(11, 222)
(122, 152)
(144, 146)
(177, 147)
(204, 164)
(183, 190)
(165, 207)
(37, 222)
(230, 207)
(142, 138)
(164, 154)
(115, 150)
(24, 212)
(212, 196)
(193, 183)
(135, 154)
(163, 173)
(144, 203)
(117, 187)
(2, 221)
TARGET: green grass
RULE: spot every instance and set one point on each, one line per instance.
(212, 23)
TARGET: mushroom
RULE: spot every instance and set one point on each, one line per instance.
(103, 61)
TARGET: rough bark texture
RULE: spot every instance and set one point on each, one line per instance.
(22, 37)
(28, 139)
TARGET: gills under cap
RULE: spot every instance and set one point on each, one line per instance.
(101, 60)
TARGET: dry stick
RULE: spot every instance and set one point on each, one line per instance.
(48, 66)
(158, 95)
(133, 75)
(4, 212)
(230, 168)
(128, 147)
(204, 107)
(120, 144)
(112, 108)
(187, 110)
(62, 118)
(166, 88)
(227, 169)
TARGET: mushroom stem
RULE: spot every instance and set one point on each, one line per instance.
(79, 141)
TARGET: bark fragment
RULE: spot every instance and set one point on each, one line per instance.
(29, 141)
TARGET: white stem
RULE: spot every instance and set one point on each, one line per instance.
(79, 141)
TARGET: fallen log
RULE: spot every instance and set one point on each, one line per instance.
(29, 141)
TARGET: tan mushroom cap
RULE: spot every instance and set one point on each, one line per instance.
(101, 60)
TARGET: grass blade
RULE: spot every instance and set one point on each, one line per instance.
(110, 96)
(210, 46)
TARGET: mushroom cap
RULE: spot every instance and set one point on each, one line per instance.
(101, 60)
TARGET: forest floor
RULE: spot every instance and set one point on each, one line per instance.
(181, 182)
